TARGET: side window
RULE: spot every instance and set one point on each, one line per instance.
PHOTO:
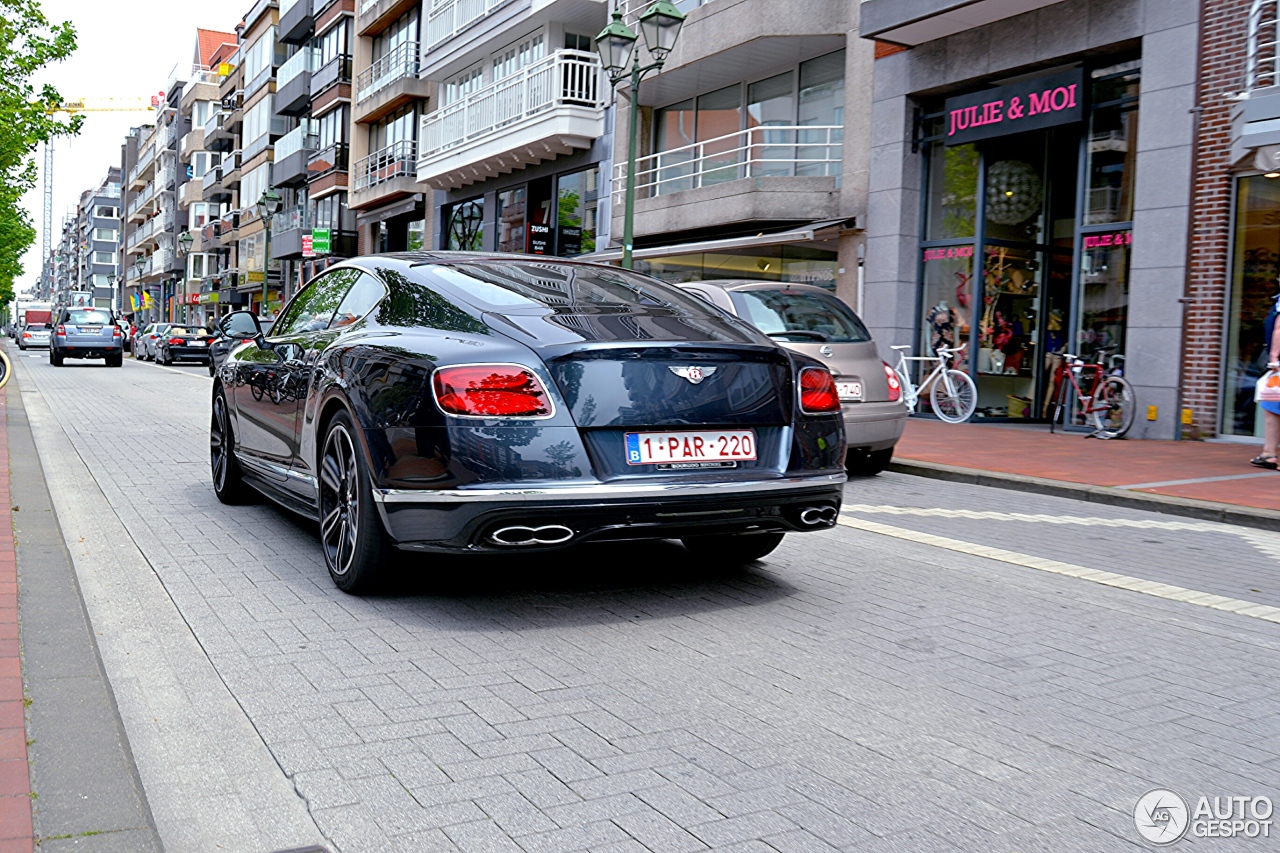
(359, 301)
(312, 309)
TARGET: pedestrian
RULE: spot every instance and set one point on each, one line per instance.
(1270, 410)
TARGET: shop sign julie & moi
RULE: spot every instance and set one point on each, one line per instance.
(1026, 105)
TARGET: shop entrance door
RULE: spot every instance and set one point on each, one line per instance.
(1027, 219)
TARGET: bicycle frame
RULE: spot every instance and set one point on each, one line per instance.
(910, 391)
(1070, 369)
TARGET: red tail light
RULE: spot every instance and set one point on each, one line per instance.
(116, 333)
(895, 386)
(176, 342)
(62, 330)
(491, 391)
(818, 394)
(26, 334)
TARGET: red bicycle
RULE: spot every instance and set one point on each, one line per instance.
(1104, 399)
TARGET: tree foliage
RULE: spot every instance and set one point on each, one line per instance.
(28, 43)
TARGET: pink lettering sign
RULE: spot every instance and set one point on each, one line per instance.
(948, 252)
(1106, 241)
(1026, 105)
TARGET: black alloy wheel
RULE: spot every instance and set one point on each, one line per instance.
(355, 545)
(228, 481)
(732, 549)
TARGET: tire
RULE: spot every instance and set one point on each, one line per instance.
(211, 370)
(732, 549)
(228, 480)
(957, 408)
(1122, 405)
(55, 358)
(115, 360)
(868, 464)
(351, 536)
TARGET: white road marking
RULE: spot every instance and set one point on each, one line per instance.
(1251, 609)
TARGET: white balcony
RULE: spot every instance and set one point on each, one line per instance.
(453, 16)
(815, 151)
(306, 59)
(399, 63)
(547, 109)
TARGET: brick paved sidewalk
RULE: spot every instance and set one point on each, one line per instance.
(15, 782)
(1197, 470)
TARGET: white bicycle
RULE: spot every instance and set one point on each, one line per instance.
(953, 395)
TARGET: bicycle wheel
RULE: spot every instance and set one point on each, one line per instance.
(6, 370)
(954, 396)
(1116, 394)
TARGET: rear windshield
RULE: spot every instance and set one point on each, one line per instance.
(88, 317)
(509, 287)
(800, 316)
(37, 327)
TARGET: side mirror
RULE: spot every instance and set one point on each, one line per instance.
(243, 324)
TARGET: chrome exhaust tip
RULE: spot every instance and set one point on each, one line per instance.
(519, 535)
(813, 516)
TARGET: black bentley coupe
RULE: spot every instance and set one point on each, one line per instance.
(464, 402)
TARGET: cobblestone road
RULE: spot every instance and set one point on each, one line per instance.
(855, 691)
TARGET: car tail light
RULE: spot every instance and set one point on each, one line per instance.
(116, 333)
(895, 386)
(818, 394)
(26, 334)
(62, 330)
(176, 342)
(490, 391)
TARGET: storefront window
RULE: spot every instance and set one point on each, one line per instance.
(1112, 145)
(1104, 292)
(417, 236)
(953, 192)
(579, 197)
(511, 220)
(948, 298)
(465, 226)
(1255, 281)
(765, 263)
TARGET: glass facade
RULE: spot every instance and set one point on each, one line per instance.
(1255, 282)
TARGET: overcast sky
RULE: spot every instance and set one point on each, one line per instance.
(126, 50)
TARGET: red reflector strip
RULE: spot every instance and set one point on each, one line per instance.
(818, 393)
(490, 390)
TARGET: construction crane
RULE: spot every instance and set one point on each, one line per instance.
(72, 107)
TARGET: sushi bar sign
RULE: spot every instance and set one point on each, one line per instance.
(1026, 105)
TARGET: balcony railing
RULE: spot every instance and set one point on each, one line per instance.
(302, 136)
(215, 120)
(565, 78)
(306, 59)
(211, 177)
(288, 220)
(336, 70)
(366, 5)
(401, 62)
(286, 5)
(756, 152)
(397, 160)
(453, 16)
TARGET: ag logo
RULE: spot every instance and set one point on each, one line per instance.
(694, 374)
(1161, 816)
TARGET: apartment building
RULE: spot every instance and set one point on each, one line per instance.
(315, 227)
(1031, 181)
(86, 258)
(204, 259)
(390, 97)
(517, 146)
(153, 182)
(752, 146)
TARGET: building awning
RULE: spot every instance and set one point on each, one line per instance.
(381, 214)
(914, 22)
(820, 230)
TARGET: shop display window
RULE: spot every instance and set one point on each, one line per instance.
(577, 204)
(948, 299)
(953, 192)
(1255, 281)
(511, 219)
(465, 226)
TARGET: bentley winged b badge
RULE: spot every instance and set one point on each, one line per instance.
(694, 374)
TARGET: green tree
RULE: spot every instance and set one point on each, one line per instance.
(28, 43)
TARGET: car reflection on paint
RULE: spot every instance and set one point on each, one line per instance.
(471, 403)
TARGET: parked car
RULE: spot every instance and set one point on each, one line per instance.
(231, 333)
(128, 330)
(144, 343)
(183, 343)
(470, 403)
(34, 335)
(810, 320)
(86, 333)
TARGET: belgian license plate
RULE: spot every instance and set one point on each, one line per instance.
(90, 330)
(849, 390)
(678, 448)
(195, 343)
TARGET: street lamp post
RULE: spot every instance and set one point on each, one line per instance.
(140, 263)
(184, 249)
(660, 25)
(268, 206)
(115, 302)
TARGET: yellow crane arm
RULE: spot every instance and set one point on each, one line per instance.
(104, 105)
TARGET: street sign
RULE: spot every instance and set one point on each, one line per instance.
(320, 241)
(308, 246)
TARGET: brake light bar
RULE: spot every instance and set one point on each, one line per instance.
(818, 394)
(490, 391)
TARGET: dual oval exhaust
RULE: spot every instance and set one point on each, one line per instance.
(815, 515)
(520, 535)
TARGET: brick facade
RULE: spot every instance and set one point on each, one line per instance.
(1223, 38)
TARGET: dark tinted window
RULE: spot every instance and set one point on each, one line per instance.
(799, 316)
(360, 299)
(511, 286)
(88, 317)
(239, 324)
(312, 309)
